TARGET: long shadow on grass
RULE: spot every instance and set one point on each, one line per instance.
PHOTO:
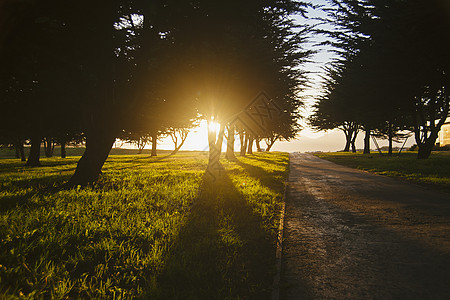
(141, 161)
(221, 252)
(39, 186)
(261, 157)
(266, 178)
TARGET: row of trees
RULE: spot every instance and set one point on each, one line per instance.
(138, 69)
(392, 71)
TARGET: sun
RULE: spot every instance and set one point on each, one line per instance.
(197, 138)
(213, 126)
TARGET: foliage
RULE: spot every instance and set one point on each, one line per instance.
(148, 228)
(391, 68)
(133, 69)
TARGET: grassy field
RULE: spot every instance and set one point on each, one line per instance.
(433, 172)
(78, 151)
(150, 228)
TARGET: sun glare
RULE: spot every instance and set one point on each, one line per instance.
(213, 126)
(198, 138)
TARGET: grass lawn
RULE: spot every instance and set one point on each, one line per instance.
(78, 151)
(433, 172)
(150, 228)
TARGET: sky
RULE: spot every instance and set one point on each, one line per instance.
(307, 140)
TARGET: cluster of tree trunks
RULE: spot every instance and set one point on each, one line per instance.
(35, 149)
(351, 130)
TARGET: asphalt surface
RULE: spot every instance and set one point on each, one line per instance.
(353, 235)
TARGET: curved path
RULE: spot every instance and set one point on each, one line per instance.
(354, 235)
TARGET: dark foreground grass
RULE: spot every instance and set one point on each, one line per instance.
(150, 228)
(433, 172)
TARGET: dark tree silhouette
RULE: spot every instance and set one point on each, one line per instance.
(124, 65)
(392, 50)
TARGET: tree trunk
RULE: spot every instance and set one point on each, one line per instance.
(258, 146)
(16, 147)
(215, 149)
(390, 138)
(355, 134)
(425, 150)
(348, 141)
(220, 140)
(367, 142)
(230, 144)
(250, 145)
(271, 143)
(21, 151)
(154, 144)
(35, 152)
(244, 140)
(63, 149)
(175, 151)
(49, 146)
(426, 129)
(44, 141)
(90, 165)
(177, 148)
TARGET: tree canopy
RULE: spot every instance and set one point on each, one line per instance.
(131, 68)
(391, 67)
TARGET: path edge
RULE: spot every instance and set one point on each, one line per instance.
(279, 250)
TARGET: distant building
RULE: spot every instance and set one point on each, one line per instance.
(444, 134)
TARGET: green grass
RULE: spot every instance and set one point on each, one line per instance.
(78, 151)
(433, 172)
(150, 228)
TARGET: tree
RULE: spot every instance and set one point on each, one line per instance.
(397, 44)
(231, 135)
(143, 56)
(38, 75)
(331, 111)
(226, 80)
(178, 136)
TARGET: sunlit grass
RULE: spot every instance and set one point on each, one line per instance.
(147, 223)
(433, 172)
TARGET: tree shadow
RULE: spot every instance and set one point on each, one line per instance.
(40, 186)
(13, 201)
(259, 156)
(222, 250)
(265, 177)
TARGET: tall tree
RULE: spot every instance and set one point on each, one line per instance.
(123, 59)
(406, 67)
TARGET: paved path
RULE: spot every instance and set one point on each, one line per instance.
(353, 235)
